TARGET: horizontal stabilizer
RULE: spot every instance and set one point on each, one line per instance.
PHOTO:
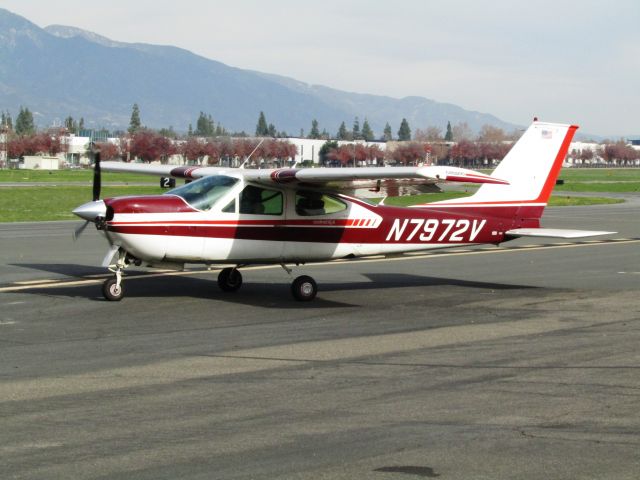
(553, 233)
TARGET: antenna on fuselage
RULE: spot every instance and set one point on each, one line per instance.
(252, 152)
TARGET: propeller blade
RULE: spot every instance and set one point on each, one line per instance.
(89, 211)
(78, 231)
(97, 181)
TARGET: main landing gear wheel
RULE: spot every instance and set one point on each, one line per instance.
(229, 279)
(304, 288)
(112, 291)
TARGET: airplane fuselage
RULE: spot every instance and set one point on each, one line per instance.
(167, 229)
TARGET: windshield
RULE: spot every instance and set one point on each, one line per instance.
(203, 193)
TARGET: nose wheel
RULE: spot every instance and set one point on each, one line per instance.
(112, 290)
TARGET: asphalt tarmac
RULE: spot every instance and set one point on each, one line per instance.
(514, 362)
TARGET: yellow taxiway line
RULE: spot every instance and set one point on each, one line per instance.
(97, 279)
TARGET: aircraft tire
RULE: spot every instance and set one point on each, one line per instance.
(229, 279)
(304, 288)
(112, 291)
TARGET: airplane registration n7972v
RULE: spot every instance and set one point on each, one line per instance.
(427, 229)
(291, 216)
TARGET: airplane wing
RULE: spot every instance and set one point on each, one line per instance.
(553, 233)
(163, 170)
(428, 174)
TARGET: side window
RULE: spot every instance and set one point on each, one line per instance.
(261, 201)
(231, 207)
(310, 203)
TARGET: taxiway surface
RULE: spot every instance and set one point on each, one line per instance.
(515, 362)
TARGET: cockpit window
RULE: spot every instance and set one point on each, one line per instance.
(203, 193)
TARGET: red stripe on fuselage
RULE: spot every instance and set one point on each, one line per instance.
(399, 225)
(243, 223)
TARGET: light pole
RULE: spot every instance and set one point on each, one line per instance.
(354, 153)
(5, 141)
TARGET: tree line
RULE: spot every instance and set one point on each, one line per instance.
(465, 153)
(149, 146)
(207, 127)
(210, 140)
(611, 153)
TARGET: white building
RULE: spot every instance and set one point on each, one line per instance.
(40, 162)
(575, 156)
(77, 148)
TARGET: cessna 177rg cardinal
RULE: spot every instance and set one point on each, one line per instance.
(292, 216)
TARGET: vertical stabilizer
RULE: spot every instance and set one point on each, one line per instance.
(531, 167)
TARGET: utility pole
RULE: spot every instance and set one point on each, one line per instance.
(4, 160)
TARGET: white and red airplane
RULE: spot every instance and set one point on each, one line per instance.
(292, 216)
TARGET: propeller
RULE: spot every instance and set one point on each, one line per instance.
(97, 180)
(91, 211)
(78, 231)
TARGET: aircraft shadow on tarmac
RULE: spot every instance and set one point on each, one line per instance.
(69, 269)
(263, 294)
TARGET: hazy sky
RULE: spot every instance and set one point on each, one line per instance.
(566, 61)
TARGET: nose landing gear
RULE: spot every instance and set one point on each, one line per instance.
(112, 289)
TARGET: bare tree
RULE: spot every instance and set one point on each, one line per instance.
(462, 131)
(491, 134)
(431, 134)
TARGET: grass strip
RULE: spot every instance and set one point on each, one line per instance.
(75, 176)
(23, 204)
(613, 187)
(34, 204)
(554, 201)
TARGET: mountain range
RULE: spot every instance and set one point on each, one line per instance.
(59, 71)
